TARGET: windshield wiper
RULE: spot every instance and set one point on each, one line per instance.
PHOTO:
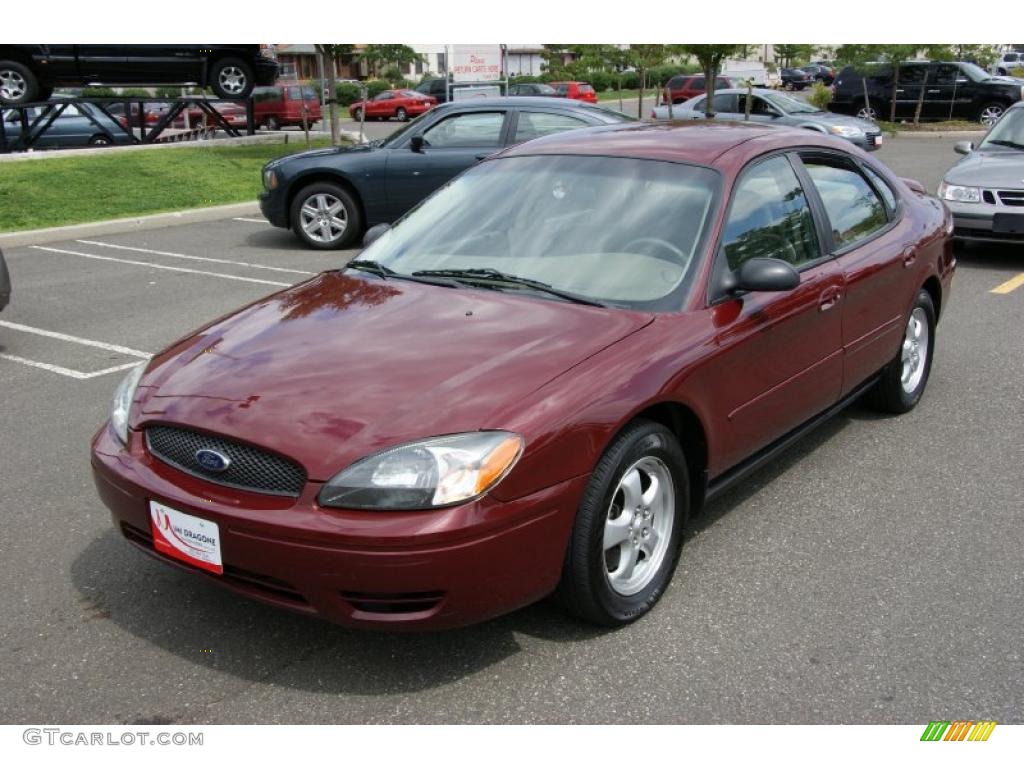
(1005, 143)
(490, 276)
(376, 268)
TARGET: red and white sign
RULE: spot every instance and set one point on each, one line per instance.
(190, 539)
(476, 63)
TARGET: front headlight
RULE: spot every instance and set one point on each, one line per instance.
(436, 472)
(959, 194)
(846, 131)
(123, 402)
(270, 179)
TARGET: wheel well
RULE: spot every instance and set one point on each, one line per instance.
(314, 178)
(7, 54)
(685, 425)
(934, 288)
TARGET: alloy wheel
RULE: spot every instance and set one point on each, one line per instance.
(12, 85)
(867, 112)
(638, 527)
(324, 218)
(232, 80)
(914, 353)
(990, 114)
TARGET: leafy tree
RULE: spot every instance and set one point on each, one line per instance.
(381, 56)
(787, 54)
(869, 59)
(645, 57)
(711, 58)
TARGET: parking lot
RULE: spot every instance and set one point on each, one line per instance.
(872, 574)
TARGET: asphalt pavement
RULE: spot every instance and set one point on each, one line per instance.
(872, 574)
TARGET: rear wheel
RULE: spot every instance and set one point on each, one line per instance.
(990, 113)
(626, 540)
(231, 79)
(100, 140)
(903, 380)
(272, 124)
(867, 111)
(325, 216)
(17, 84)
(358, 115)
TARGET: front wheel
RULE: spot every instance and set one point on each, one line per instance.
(232, 79)
(358, 115)
(325, 216)
(990, 114)
(17, 84)
(903, 380)
(272, 124)
(401, 115)
(626, 540)
(100, 140)
(867, 112)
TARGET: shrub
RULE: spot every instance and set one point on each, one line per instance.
(347, 93)
(601, 81)
(373, 87)
(135, 92)
(820, 95)
(630, 80)
(98, 92)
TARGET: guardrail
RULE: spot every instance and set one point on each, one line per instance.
(132, 125)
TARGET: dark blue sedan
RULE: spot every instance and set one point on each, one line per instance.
(78, 125)
(330, 197)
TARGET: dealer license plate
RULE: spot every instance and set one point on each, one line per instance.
(190, 539)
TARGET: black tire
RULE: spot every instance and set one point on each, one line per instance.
(990, 113)
(18, 84)
(271, 123)
(401, 115)
(353, 229)
(231, 78)
(585, 589)
(889, 395)
(357, 115)
(45, 92)
(100, 140)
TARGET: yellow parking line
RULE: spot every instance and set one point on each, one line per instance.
(1010, 285)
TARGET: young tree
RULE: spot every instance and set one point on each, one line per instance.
(787, 53)
(381, 56)
(329, 54)
(644, 58)
(711, 58)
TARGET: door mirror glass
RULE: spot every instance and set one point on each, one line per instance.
(373, 233)
(963, 147)
(766, 275)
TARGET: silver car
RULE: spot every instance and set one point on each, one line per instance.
(985, 190)
(777, 109)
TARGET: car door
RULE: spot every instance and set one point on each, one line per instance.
(908, 89)
(760, 110)
(939, 91)
(779, 355)
(450, 145)
(380, 105)
(163, 63)
(873, 255)
(101, 63)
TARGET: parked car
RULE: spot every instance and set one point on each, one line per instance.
(531, 89)
(985, 189)
(437, 88)
(573, 89)
(328, 197)
(952, 89)
(398, 104)
(78, 125)
(5, 283)
(535, 379)
(1010, 63)
(285, 104)
(682, 87)
(795, 79)
(30, 72)
(820, 73)
(774, 108)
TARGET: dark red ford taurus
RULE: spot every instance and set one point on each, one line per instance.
(530, 383)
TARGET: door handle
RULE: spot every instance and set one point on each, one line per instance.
(936, 90)
(829, 298)
(909, 257)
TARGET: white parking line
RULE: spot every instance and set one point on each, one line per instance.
(75, 339)
(69, 372)
(161, 266)
(194, 258)
(252, 221)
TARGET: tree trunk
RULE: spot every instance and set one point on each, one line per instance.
(892, 102)
(750, 99)
(331, 97)
(920, 98)
(709, 89)
(640, 96)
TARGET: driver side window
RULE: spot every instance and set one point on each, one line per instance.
(770, 217)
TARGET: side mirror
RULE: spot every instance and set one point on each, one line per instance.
(416, 143)
(963, 147)
(374, 233)
(764, 275)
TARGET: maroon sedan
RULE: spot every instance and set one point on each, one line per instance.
(532, 381)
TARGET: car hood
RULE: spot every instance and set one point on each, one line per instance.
(831, 118)
(343, 365)
(314, 154)
(1003, 168)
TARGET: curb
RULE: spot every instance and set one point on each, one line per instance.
(134, 224)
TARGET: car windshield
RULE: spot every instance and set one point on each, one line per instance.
(544, 88)
(619, 231)
(973, 71)
(789, 105)
(1008, 132)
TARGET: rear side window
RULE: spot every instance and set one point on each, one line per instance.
(725, 102)
(770, 217)
(534, 124)
(586, 88)
(855, 211)
(676, 82)
(298, 94)
(561, 89)
(698, 83)
(723, 82)
(882, 186)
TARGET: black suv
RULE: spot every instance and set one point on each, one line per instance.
(30, 72)
(952, 89)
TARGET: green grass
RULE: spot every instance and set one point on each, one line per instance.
(938, 127)
(73, 190)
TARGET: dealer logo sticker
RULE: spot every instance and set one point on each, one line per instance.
(190, 539)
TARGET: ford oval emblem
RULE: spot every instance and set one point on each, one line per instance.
(212, 461)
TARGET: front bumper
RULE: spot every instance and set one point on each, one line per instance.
(5, 282)
(974, 222)
(383, 570)
(273, 208)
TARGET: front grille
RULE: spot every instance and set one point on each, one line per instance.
(988, 197)
(251, 469)
(1014, 197)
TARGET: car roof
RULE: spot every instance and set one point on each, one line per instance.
(756, 91)
(698, 143)
(519, 101)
